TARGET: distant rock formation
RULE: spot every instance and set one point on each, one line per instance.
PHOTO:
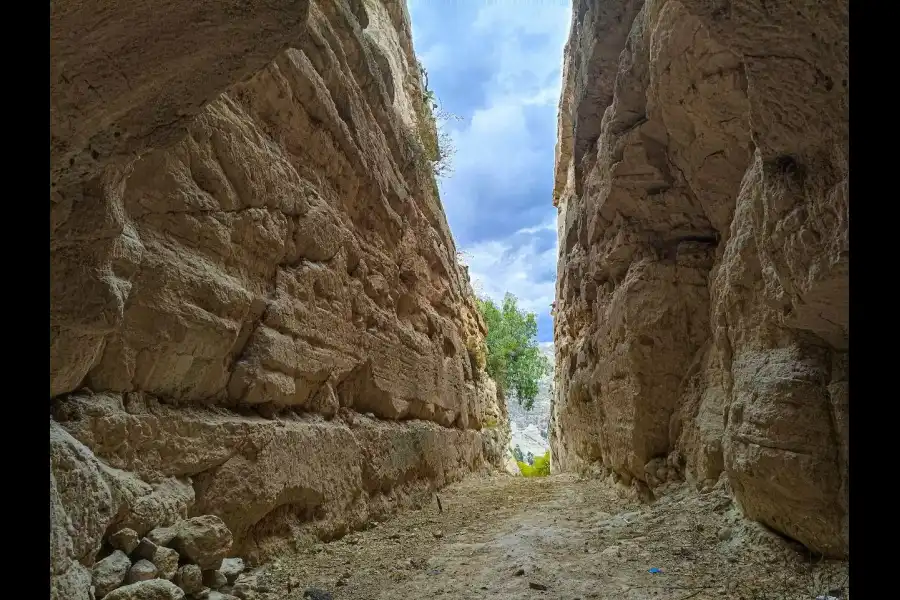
(539, 415)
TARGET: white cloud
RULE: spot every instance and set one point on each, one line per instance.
(546, 226)
(496, 267)
(499, 195)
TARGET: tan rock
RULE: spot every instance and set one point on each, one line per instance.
(166, 504)
(203, 540)
(231, 568)
(109, 573)
(142, 570)
(189, 578)
(125, 88)
(154, 589)
(246, 469)
(702, 190)
(166, 560)
(85, 497)
(277, 249)
(125, 540)
(214, 579)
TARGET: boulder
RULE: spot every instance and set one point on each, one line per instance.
(142, 570)
(214, 579)
(166, 504)
(126, 540)
(231, 568)
(154, 589)
(189, 578)
(109, 573)
(166, 560)
(203, 540)
(214, 595)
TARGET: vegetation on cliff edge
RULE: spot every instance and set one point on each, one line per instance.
(438, 143)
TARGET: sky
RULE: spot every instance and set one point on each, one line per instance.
(497, 64)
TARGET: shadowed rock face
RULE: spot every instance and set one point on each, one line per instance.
(255, 299)
(702, 188)
(124, 79)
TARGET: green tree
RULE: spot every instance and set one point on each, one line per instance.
(514, 360)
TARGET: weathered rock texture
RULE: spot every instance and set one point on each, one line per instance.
(262, 320)
(702, 189)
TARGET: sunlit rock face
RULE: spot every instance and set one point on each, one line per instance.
(254, 289)
(701, 315)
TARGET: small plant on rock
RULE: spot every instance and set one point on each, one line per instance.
(439, 144)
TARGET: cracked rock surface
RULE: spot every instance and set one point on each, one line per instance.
(257, 311)
(701, 316)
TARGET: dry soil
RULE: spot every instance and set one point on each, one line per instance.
(564, 538)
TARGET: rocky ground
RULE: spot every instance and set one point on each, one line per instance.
(559, 537)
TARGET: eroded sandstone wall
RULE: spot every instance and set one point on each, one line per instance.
(701, 316)
(265, 319)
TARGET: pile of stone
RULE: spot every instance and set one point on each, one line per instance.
(184, 560)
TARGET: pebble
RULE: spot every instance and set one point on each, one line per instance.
(317, 594)
(725, 534)
(611, 551)
(536, 586)
(519, 572)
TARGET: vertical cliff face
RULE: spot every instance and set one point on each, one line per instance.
(258, 314)
(702, 188)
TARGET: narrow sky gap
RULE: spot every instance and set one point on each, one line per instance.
(497, 64)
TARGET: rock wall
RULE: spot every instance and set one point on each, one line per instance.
(256, 311)
(701, 316)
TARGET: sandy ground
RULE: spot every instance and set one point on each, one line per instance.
(558, 538)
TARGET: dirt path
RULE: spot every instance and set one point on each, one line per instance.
(558, 538)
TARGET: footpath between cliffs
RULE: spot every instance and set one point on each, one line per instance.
(560, 537)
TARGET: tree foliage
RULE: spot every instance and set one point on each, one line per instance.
(514, 360)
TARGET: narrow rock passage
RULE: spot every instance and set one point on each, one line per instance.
(562, 538)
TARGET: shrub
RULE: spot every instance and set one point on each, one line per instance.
(437, 140)
(540, 468)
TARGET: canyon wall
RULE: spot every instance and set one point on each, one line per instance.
(256, 308)
(702, 301)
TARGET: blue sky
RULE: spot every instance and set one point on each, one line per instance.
(496, 64)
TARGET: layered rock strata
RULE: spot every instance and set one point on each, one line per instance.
(257, 312)
(701, 316)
